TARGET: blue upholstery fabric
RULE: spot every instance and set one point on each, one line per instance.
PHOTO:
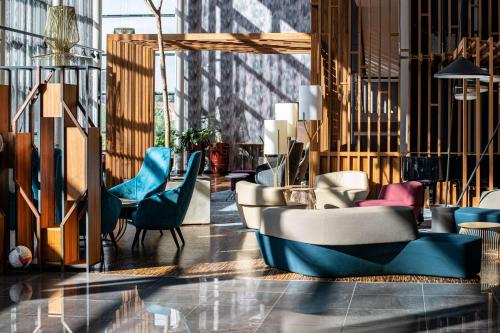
(435, 254)
(167, 210)
(111, 207)
(151, 178)
(472, 214)
(35, 183)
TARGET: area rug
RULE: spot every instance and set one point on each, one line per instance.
(258, 270)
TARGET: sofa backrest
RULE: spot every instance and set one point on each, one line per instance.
(251, 194)
(490, 199)
(349, 179)
(342, 226)
(409, 193)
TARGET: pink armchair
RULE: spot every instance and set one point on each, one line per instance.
(403, 194)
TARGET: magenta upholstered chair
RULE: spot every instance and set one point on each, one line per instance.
(403, 194)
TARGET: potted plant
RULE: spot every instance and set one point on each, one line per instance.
(219, 155)
(194, 139)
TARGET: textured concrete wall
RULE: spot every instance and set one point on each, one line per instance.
(240, 90)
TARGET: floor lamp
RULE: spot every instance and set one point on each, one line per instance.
(275, 142)
(460, 69)
(311, 108)
(288, 112)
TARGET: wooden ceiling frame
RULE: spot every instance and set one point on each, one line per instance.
(130, 85)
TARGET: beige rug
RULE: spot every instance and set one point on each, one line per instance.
(257, 269)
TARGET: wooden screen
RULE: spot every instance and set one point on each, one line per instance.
(376, 63)
(130, 108)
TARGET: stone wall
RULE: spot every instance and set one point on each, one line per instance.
(239, 90)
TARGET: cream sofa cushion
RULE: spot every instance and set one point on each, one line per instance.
(343, 226)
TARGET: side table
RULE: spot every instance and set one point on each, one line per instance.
(489, 232)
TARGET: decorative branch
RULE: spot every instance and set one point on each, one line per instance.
(166, 112)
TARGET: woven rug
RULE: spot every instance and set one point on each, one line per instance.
(258, 270)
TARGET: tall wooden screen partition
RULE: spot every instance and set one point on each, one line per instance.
(68, 171)
(376, 59)
(130, 85)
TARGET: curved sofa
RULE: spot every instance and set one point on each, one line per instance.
(362, 241)
(252, 199)
(340, 189)
(487, 211)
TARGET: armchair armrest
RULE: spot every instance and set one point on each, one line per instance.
(127, 189)
(159, 211)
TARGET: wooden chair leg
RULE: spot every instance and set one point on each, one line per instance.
(113, 240)
(180, 235)
(143, 236)
(175, 238)
(136, 237)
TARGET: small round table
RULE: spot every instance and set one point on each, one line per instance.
(489, 232)
(237, 176)
(127, 206)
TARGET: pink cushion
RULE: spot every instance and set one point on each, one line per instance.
(371, 203)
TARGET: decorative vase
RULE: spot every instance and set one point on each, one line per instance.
(219, 158)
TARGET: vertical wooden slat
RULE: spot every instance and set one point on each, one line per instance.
(94, 197)
(25, 230)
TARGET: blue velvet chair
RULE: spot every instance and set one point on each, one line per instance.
(488, 210)
(151, 178)
(166, 210)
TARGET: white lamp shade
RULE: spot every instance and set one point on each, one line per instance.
(288, 112)
(275, 140)
(310, 103)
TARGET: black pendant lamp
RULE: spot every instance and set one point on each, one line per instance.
(461, 68)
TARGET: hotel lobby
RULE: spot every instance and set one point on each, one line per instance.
(249, 166)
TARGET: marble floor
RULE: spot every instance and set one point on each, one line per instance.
(217, 283)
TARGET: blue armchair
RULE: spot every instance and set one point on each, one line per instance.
(151, 178)
(166, 210)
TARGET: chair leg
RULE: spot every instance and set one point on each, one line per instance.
(180, 235)
(113, 240)
(161, 232)
(143, 236)
(175, 238)
(136, 237)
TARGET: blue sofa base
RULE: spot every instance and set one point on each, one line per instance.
(435, 254)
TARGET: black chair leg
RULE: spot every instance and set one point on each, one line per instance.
(136, 237)
(180, 235)
(161, 232)
(175, 238)
(143, 236)
(113, 240)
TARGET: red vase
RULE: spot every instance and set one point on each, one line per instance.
(219, 158)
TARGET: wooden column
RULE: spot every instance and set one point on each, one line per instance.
(25, 230)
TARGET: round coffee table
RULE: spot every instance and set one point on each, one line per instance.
(309, 200)
(489, 232)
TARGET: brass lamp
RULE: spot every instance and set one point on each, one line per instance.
(61, 34)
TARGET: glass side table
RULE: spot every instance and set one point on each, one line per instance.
(489, 232)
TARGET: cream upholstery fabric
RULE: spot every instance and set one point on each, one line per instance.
(490, 199)
(343, 226)
(252, 198)
(340, 189)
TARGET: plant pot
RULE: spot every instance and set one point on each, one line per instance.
(443, 219)
(219, 158)
(203, 161)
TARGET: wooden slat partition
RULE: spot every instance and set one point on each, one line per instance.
(130, 109)
(360, 68)
(25, 230)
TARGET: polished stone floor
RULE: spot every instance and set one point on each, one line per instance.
(218, 283)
